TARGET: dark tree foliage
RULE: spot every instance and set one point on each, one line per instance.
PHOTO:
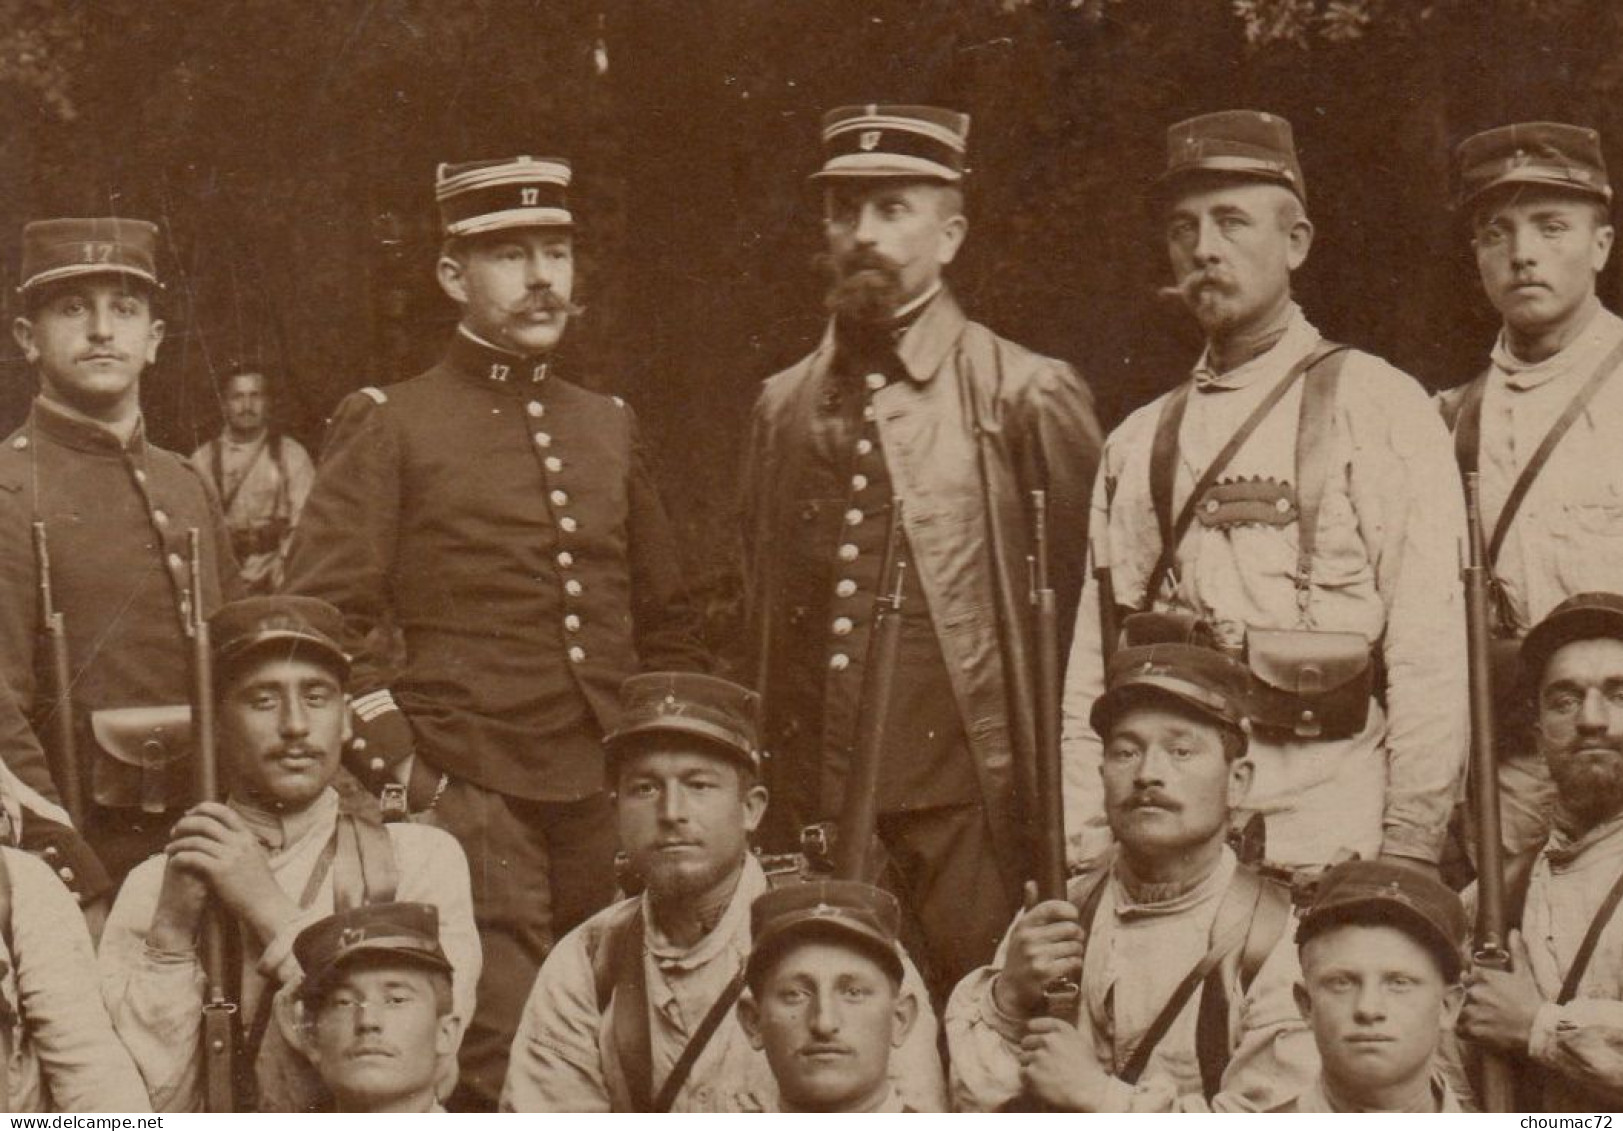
(289, 152)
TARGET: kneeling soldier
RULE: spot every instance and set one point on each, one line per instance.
(633, 1010)
(284, 851)
(376, 1015)
(1185, 965)
(825, 1000)
(1381, 955)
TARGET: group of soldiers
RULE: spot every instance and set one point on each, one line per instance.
(490, 833)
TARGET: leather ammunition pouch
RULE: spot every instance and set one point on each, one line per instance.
(264, 538)
(142, 757)
(1309, 685)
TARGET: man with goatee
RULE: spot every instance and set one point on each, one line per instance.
(905, 399)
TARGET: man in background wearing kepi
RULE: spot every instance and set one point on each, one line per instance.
(505, 521)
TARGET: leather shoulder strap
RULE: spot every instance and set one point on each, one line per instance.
(1464, 419)
(1586, 949)
(1173, 538)
(632, 1041)
(1164, 458)
(1315, 423)
(1235, 915)
(683, 1068)
(1541, 454)
(380, 875)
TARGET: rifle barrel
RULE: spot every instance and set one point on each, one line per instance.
(65, 770)
(1489, 945)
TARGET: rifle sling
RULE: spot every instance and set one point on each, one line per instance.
(1164, 465)
(632, 1037)
(1586, 949)
(1468, 441)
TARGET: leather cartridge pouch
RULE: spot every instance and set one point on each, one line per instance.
(142, 758)
(1309, 685)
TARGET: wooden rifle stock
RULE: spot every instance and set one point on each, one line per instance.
(1062, 995)
(219, 1011)
(65, 752)
(1109, 612)
(1489, 947)
(859, 810)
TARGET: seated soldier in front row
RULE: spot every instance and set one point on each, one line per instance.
(826, 1002)
(633, 1009)
(1381, 955)
(375, 1011)
(282, 852)
(1184, 957)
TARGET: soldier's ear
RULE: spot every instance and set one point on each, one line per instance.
(1453, 999)
(453, 279)
(23, 331)
(1604, 235)
(902, 1019)
(1300, 240)
(953, 232)
(446, 1035)
(155, 334)
(1240, 772)
(754, 806)
(749, 1019)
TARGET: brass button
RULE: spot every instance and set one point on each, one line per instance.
(839, 661)
(848, 553)
(859, 482)
(567, 524)
(560, 498)
(874, 381)
(542, 440)
(573, 587)
(566, 559)
(572, 623)
(845, 588)
(576, 654)
(842, 626)
(553, 463)
(853, 517)
(176, 562)
(535, 408)
(864, 446)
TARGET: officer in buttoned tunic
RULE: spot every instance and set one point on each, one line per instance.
(906, 397)
(116, 511)
(1364, 745)
(506, 521)
(826, 1001)
(1538, 202)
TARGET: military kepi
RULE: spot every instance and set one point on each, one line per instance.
(1162, 657)
(63, 249)
(1248, 144)
(719, 712)
(894, 141)
(514, 192)
(1378, 893)
(284, 625)
(843, 911)
(1583, 616)
(396, 933)
(1532, 153)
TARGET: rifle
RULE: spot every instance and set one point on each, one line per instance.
(1109, 612)
(219, 1011)
(65, 747)
(859, 811)
(1488, 948)
(1062, 996)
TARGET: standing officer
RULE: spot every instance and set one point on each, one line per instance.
(1538, 201)
(377, 1016)
(115, 511)
(825, 1000)
(1558, 1012)
(1380, 950)
(261, 476)
(1170, 916)
(633, 1010)
(906, 398)
(1299, 499)
(506, 522)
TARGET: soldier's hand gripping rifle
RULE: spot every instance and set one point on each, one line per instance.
(1062, 996)
(219, 1011)
(1489, 944)
(859, 811)
(64, 746)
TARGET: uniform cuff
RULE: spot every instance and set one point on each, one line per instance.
(1011, 1029)
(1412, 844)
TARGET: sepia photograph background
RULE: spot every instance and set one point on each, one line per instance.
(288, 151)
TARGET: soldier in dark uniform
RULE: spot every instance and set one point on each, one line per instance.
(906, 397)
(507, 523)
(825, 1000)
(116, 511)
